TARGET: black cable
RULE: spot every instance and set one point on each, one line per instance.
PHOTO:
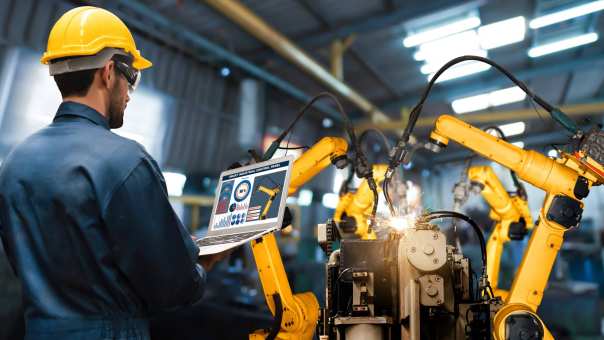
(520, 189)
(363, 169)
(349, 129)
(305, 147)
(400, 150)
(345, 187)
(453, 214)
(276, 327)
(371, 181)
(344, 271)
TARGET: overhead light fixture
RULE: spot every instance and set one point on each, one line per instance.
(513, 129)
(330, 200)
(462, 70)
(175, 182)
(506, 96)
(441, 31)
(490, 99)
(519, 144)
(225, 71)
(566, 14)
(305, 197)
(470, 104)
(433, 65)
(502, 33)
(327, 123)
(563, 44)
(467, 40)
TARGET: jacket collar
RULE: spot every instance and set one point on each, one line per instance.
(83, 111)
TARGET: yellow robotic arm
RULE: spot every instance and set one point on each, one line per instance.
(505, 211)
(566, 181)
(355, 208)
(272, 193)
(296, 314)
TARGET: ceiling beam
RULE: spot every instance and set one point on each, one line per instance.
(143, 18)
(263, 31)
(484, 118)
(352, 50)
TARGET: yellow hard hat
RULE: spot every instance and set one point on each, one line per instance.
(85, 31)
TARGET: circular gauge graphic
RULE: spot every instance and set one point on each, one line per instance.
(242, 190)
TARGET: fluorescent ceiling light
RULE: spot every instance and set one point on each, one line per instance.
(502, 33)
(330, 200)
(462, 70)
(175, 182)
(467, 40)
(573, 12)
(519, 144)
(441, 31)
(305, 197)
(506, 96)
(434, 63)
(469, 104)
(486, 100)
(513, 129)
(563, 44)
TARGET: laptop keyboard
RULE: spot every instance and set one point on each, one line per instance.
(223, 239)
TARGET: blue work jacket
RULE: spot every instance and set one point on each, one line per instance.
(87, 227)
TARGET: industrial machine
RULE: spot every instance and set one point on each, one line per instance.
(295, 315)
(401, 286)
(413, 283)
(565, 180)
(509, 211)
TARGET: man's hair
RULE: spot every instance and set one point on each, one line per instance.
(75, 83)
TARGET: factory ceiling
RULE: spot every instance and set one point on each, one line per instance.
(381, 68)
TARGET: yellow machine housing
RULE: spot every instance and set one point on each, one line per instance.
(565, 180)
(299, 312)
(357, 206)
(505, 210)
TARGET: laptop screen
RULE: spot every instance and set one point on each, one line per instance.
(252, 196)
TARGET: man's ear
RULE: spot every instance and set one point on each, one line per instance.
(107, 74)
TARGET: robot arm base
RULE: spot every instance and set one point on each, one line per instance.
(517, 321)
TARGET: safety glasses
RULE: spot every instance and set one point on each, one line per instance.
(132, 75)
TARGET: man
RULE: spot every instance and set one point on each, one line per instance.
(84, 214)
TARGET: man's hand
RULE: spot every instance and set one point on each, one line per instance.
(208, 261)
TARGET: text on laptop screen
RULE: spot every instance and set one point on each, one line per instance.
(250, 197)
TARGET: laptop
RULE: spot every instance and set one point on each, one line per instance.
(249, 203)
